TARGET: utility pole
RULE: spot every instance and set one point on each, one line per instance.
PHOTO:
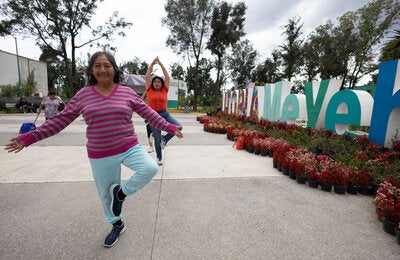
(19, 71)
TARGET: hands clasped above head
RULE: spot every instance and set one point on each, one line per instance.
(156, 61)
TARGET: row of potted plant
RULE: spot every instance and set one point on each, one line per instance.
(323, 157)
(214, 125)
(324, 170)
(380, 163)
(320, 169)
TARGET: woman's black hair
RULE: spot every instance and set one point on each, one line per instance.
(118, 76)
(157, 77)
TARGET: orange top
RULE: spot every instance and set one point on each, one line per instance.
(157, 100)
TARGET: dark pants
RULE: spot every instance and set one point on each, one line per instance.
(157, 132)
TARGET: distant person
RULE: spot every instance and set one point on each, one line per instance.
(107, 109)
(25, 106)
(157, 98)
(51, 104)
(187, 107)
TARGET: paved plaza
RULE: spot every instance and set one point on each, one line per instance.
(208, 201)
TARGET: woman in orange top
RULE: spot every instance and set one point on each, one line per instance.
(157, 98)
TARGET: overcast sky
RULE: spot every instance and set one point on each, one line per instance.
(146, 38)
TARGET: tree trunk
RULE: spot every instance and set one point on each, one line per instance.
(217, 82)
(196, 88)
(75, 86)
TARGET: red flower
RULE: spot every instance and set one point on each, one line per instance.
(396, 145)
(387, 199)
(313, 176)
(364, 178)
(340, 174)
(352, 176)
(327, 176)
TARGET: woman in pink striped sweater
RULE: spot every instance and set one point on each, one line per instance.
(107, 109)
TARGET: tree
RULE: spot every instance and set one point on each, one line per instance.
(259, 75)
(391, 50)
(189, 24)
(130, 67)
(347, 50)
(227, 29)
(348, 41)
(310, 61)
(30, 86)
(55, 69)
(143, 68)
(242, 61)
(204, 82)
(9, 90)
(268, 72)
(291, 51)
(372, 24)
(135, 67)
(323, 42)
(56, 25)
(177, 71)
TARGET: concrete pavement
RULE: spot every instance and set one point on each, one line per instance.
(208, 201)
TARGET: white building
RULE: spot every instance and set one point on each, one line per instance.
(9, 71)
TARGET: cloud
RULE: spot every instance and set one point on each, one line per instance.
(147, 37)
(265, 19)
(262, 15)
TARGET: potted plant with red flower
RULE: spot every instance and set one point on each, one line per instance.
(280, 147)
(352, 185)
(326, 174)
(264, 146)
(256, 144)
(326, 179)
(364, 179)
(340, 173)
(313, 179)
(300, 170)
(229, 132)
(387, 201)
(280, 156)
(304, 163)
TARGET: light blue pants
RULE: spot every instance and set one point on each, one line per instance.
(157, 132)
(107, 171)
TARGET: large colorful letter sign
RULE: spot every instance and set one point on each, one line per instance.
(274, 96)
(260, 103)
(324, 106)
(348, 107)
(294, 108)
(318, 95)
(385, 121)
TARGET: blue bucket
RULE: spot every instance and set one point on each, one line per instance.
(27, 127)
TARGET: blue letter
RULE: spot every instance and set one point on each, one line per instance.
(386, 112)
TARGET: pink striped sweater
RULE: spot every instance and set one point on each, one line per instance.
(110, 129)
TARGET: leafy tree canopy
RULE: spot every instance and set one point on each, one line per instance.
(56, 24)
